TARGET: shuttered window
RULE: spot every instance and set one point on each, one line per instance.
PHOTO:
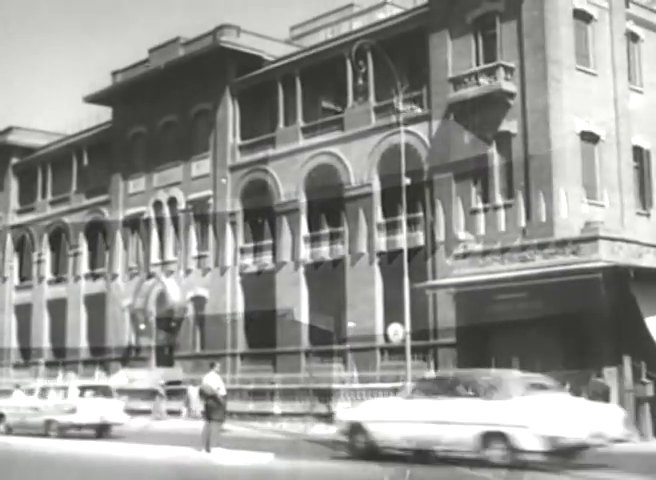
(590, 165)
(634, 56)
(583, 38)
(642, 178)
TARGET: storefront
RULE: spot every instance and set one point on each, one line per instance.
(546, 319)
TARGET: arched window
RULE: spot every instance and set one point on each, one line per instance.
(160, 227)
(95, 234)
(58, 245)
(174, 215)
(24, 256)
(169, 143)
(201, 132)
(138, 151)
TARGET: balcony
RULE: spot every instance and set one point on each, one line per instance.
(256, 256)
(494, 79)
(390, 232)
(326, 244)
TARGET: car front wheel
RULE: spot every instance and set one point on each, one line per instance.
(360, 443)
(52, 429)
(103, 431)
(496, 450)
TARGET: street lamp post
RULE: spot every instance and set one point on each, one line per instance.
(399, 107)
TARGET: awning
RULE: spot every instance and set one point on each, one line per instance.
(645, 295)
(502, 277)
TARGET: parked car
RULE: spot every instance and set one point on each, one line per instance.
(53, 408)
(500, 416)
(139, 399)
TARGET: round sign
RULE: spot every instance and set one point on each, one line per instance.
(395, 332)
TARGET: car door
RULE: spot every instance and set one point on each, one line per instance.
(32, 417)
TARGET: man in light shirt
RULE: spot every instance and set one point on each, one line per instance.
(213, 393)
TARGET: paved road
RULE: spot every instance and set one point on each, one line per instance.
(162, 452)
(25, 458)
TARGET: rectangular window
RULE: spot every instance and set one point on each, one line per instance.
(27, 190)
(506, 179)
(642, 178)
(590, 166)
(481, 184)
(634, 56)
(289, 100)
(486, 37)
(61, 176)
(583, 39)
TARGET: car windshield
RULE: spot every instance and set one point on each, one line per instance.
(95, 391)
(53, 393)
(460, 386)
(536, 384)
(138, 393)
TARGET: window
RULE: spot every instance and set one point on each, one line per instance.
(24, 254)
(642, 178)
(583, 38)
(27, 186)
(590, 165)
(506, 181)
(201, 215)
(160, 229)
(169, 143)
(137, 153)
(61, 176)
(201, 132)
(58, 242)
(486, 39)
(481, 184)
(134, 245)
(97, 249)
(634, 55)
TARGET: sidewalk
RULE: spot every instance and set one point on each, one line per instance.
(282, 427)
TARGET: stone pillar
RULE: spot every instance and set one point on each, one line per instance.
(292, 326)
(364, 314)
(40, 331)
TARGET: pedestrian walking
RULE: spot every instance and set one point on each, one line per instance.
(159, 406)
(213, 395)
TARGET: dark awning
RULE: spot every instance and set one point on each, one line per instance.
(510, 277)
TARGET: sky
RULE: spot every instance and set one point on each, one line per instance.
(54, 52)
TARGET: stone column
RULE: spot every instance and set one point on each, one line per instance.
(364, 314)
(292, 327)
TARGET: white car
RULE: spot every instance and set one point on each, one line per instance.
(499, 416)
(53, 408)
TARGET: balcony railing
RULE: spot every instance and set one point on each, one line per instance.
(414, 103)
(325, 244)
(495, 78)
(257, 145)
(257, 255)
(323, 126)
(390, 232)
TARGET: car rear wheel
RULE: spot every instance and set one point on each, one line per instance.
(496, 450)
(360, 444)
(52, 429)
(5, 429)
(103, 431)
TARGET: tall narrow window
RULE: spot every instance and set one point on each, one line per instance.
(58, 243)
(174, 216)
(201, 213)
(583, 38)
(506, 180)
(201, 132)
(590, 165)
(634, 55)
(24, 254)
(480, 178)
(137, 153)
(160, 228)
(642, 178)
(486, 38)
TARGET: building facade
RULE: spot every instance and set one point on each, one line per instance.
(247, 201)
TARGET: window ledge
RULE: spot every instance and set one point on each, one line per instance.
(588, 70)
(595, 203)
(637, 88)
(26, 285)
(57, 280)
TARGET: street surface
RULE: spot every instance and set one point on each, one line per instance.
(247, 452)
